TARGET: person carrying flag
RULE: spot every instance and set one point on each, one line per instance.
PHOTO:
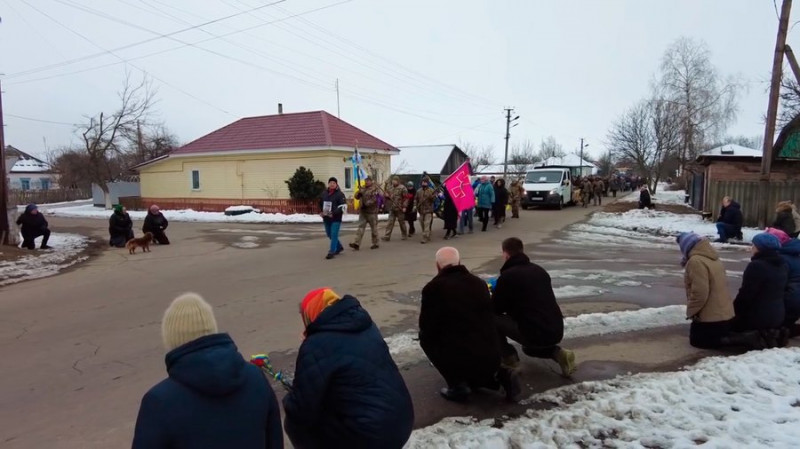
(367, 214)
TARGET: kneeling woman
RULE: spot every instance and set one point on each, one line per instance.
(709, 303)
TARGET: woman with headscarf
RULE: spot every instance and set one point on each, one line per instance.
(709, 304)
(411, 211)
(347, 391)
(120, 227)
(156, 223)
(759, 306)
(790, 252)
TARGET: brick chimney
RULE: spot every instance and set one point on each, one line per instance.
(280, 108)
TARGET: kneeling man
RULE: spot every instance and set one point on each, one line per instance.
(527, 312)
(457, 332)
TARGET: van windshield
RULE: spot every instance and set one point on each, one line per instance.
(543, 177)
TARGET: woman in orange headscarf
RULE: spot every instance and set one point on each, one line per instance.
(347, 391)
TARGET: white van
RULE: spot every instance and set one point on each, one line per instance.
(547, 186)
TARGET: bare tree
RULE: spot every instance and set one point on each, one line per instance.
(105, 135)
(605, 163)
(790, 101)
(550, 148)
(705, 102)
(478, 155)
(631, 138)
(754, 142)
(665, 122)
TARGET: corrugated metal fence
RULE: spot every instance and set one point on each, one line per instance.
(746, 194)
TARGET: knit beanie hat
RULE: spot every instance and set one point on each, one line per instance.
(31, 207)
(687, 241)
(188, 318)
(782, 236)
(766, 242)
(410, 184)
(333, 179)
(315, 302)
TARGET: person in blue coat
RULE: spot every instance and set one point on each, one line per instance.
(212, 398)
(485, 195)
(790, 252)
(759, 305)
(347, 391)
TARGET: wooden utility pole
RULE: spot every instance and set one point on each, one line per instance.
(4, 225)
(772, 113)
(792, 62)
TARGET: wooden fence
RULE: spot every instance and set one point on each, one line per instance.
(274, 206)
(746, 194)
(22, 197)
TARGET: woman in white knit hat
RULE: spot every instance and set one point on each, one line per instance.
(212, 398)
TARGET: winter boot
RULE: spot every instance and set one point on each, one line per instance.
(355, 246)
(794, 330)
(375, 246)
(386, 239)
(771, 337)
(750, 340)
(783, 339)
(566, 360)
(457, 393)
(509, 380)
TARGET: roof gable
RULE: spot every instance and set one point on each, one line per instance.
(422, 159)
(731, 150)
(282, 131)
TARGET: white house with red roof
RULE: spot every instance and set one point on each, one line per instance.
(248, 161)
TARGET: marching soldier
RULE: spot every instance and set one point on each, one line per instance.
(396, 194)
(424, 204)
(515, 196)
(367, 213)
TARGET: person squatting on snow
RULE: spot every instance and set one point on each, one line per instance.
(332, 205)
(347, 391)
(729, 222)
(790, 252)
(156, 223)
(120, 227)
(212, 398)
(457, 331)
(526, 310)
(33, 225)
(709, 303)
(645, 200)
(367, 213)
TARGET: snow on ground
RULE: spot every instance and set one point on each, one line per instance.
(43, 263)
(662, 196)
(21, 207)
(405, 349)
(749, 401)
(189, 215)
(576, 291)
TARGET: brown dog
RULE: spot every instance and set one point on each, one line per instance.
(142, 242)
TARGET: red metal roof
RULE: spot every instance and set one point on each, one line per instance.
(298, 130)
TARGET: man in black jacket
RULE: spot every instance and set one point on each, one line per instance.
(332, 205)
(120, 227)
(527, 312)
(457, 333)
(729, 223)
(33, 225)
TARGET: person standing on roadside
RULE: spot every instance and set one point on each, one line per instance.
(332, 205)
(486, 198)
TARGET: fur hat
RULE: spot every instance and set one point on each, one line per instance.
(766, 242)
(333, 179)
(188, 318)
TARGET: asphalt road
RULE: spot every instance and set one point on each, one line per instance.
(79, 349)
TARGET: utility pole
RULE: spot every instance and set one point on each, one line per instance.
(508, 136)
(772, 113)
(338, 111)
(4, 225)
(580, 172)
(792, 62)
(140, 141)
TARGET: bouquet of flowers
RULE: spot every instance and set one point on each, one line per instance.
(262, 361)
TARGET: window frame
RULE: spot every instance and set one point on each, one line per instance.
(348, 178)
(192, 180)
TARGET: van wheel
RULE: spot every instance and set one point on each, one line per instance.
(561, 204)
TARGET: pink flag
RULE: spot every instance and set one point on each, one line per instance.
(460, 188)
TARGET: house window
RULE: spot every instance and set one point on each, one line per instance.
(195, 179)
(25, 183)
(45, 182)
(348, 178)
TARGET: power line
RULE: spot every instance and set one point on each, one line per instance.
(39, 120)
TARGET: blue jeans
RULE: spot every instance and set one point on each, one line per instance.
(332, 231)
(726, 231)
(466, 220)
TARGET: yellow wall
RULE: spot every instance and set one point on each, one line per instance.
(250, 176)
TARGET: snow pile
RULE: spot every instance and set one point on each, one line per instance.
(404, 346)
(42, 263)
(242, 209)
(750, 400)
(189, 215)
(660, 223)
(576, 291)
(662, 196)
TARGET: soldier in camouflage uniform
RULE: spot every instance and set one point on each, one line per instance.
(599, 188)
(396, 194)
(367, 213)
(424, 204)
(515, 197)
(586, 192)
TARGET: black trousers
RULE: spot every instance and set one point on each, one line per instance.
(28, 238)
(708, 335)
(483, 217)
(508, 328)
(160, 237)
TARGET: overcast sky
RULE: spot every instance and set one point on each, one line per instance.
(410, 71)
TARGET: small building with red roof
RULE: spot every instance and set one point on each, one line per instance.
(249, 161)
